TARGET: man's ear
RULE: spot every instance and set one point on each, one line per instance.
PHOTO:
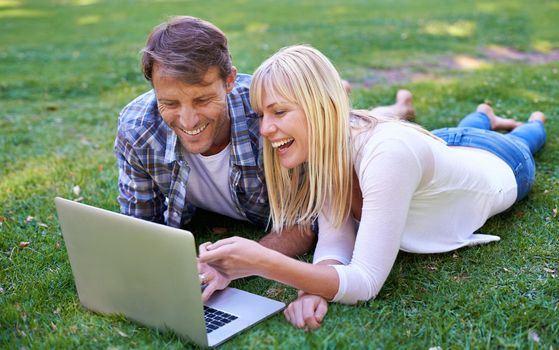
(230, 81)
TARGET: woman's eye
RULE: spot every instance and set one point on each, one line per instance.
(279, 113)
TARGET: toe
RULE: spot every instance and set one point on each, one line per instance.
(485, 108)
(537, 116)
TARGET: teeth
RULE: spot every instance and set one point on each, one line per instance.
(281, 143)
(196, 131)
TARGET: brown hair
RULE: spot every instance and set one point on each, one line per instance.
(185, 48)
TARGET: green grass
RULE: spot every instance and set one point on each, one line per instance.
(68, 67)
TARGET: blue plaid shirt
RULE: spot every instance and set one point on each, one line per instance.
(153, 173)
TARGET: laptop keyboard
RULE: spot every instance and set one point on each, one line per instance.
(216, 319)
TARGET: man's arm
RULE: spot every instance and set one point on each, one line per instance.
(139, 196)
(292, 242)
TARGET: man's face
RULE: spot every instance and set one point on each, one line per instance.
(196, 113)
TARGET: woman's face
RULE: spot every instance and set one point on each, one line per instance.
(284, 124)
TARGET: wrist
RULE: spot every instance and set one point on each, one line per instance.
(268, 262)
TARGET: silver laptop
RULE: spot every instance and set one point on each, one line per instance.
(148, 273)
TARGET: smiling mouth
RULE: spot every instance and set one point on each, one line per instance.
(283, 144)
(195, 131)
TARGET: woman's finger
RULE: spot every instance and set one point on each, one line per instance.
(204, 247)
(222, 242)
(321, 310)
(208, 291)
(291, 314)
(210, 256)
(309, 314)
(287, 315)
(299, 321)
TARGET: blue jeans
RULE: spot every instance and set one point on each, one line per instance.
(516, 148)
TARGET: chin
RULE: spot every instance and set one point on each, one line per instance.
(195, 148)
(290, 164)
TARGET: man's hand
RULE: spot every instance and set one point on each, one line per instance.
(307, 311)
(211, 278)
(234, 257)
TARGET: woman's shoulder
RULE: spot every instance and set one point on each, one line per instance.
(371, 134)
(392, 144)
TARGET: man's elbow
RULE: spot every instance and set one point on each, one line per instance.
(292, 242)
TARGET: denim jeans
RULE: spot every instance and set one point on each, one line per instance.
(516, 148)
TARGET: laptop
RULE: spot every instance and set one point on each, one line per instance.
(148, 273)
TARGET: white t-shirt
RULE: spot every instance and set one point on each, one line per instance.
(419, 196)
(208, 183)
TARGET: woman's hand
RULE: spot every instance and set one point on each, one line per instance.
(237, 257)
(210, 279)
(234, 257)
(307, 311)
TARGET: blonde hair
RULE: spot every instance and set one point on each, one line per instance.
(304, 76)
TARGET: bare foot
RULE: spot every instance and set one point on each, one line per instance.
(404, 98)
(404, 105)
(537, 116)
(497, 123)
(347, 86)
(402, 109)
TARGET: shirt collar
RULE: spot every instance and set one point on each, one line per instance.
(242, 153)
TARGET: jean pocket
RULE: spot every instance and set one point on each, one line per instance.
(518, 168)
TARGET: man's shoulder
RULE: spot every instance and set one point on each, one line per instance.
(242, 81)
(141, 110)
(139, 121)
(243, 117)
(239, 99)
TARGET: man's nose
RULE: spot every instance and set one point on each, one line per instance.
(188, 117)
(267, 126)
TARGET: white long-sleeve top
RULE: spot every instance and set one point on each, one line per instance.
(419, 196)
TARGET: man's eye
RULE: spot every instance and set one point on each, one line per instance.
(166, 105)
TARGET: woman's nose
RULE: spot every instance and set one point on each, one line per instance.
(267, 126)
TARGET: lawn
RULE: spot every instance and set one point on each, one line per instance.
(68, 66)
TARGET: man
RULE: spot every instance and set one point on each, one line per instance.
(193, 141)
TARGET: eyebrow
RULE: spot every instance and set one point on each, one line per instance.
(280, 103)
(205, 96)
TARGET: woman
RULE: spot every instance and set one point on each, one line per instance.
(402, 187)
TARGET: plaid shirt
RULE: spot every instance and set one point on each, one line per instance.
(153, 173)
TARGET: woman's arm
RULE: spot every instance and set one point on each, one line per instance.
(308, 310)
(389, 174)
(238, 257)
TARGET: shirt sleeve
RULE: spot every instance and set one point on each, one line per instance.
(389, 174)
(335, 244)
(139, 196)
